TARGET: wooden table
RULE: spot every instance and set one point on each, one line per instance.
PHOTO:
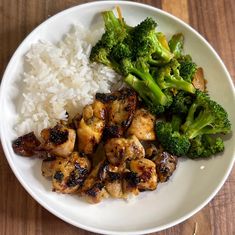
(22, 215)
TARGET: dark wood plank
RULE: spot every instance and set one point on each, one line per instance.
(19, 213)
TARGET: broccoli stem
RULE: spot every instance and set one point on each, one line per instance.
(151, 84)
(111, 21)
(147, 89)
(172, 82)
(197, 127)
(176, 44)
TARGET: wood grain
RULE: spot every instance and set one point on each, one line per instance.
(19, 213)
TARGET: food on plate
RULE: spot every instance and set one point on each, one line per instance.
(121, 106)
(90, 126)
(59, 140)
(118, 150)
(142, 125)
(26, 145)
(115, 140)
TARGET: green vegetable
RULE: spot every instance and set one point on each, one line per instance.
(205, 117)
(187, 68)
(169, 77)
(176, 44)
(205, 146)
(171, 140)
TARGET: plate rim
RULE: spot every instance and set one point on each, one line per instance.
(44, 204)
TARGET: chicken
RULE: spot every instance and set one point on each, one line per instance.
(113, 180)
(121, 106)
(48, 167)
(146, 172)
(26, 145)
(93, 189)
(130, 182)
(118, 150)
(165, 165)
(198, 80)
(90, 127)
(142, 125)
(59, 140)
(68, 174)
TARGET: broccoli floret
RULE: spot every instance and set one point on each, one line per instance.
(176, 44)
(187, 68)
(171, 140)
(205, 116)
(181, 103)
(169, 77)
(205, 146)
(114, 25)
(121, 50)
(147, 44)
(100, 54)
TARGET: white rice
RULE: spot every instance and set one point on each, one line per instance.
(60, 79)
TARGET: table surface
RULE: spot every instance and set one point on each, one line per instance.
(22, 215)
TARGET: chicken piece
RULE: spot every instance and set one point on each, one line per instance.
(165, 165)
(146, 172)
(69, 174)
(26, 145)
(121, 106)
(48, 166)
(59, 140)
(93, 189)
(118, 150)
(198, 80)
(113, 180)
(130, 182)
(90, 127)
(143, 125)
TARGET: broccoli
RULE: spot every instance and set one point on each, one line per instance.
(176, 44)
(187, 68)
(146, 93)
(146, 43)
(121, 50)
(115, 33)
(205, 146)
(181, 103)
(168, 76)
(114, 25)
(171, 140)
(206, 116)
(140, 69)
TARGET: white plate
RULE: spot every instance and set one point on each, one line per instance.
(189, 189)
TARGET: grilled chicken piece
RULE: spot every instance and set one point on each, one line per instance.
(69, 173)
(165, 165)
(121, 106)
(90, 127)
(146, 172)
(26, 145)
(48, 166)
(142, 125)
(198, 80)
(59, 140)
(130, 182)
(118, 150)
(113, 180)
(93, 189)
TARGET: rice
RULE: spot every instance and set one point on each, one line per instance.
(60, 80)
